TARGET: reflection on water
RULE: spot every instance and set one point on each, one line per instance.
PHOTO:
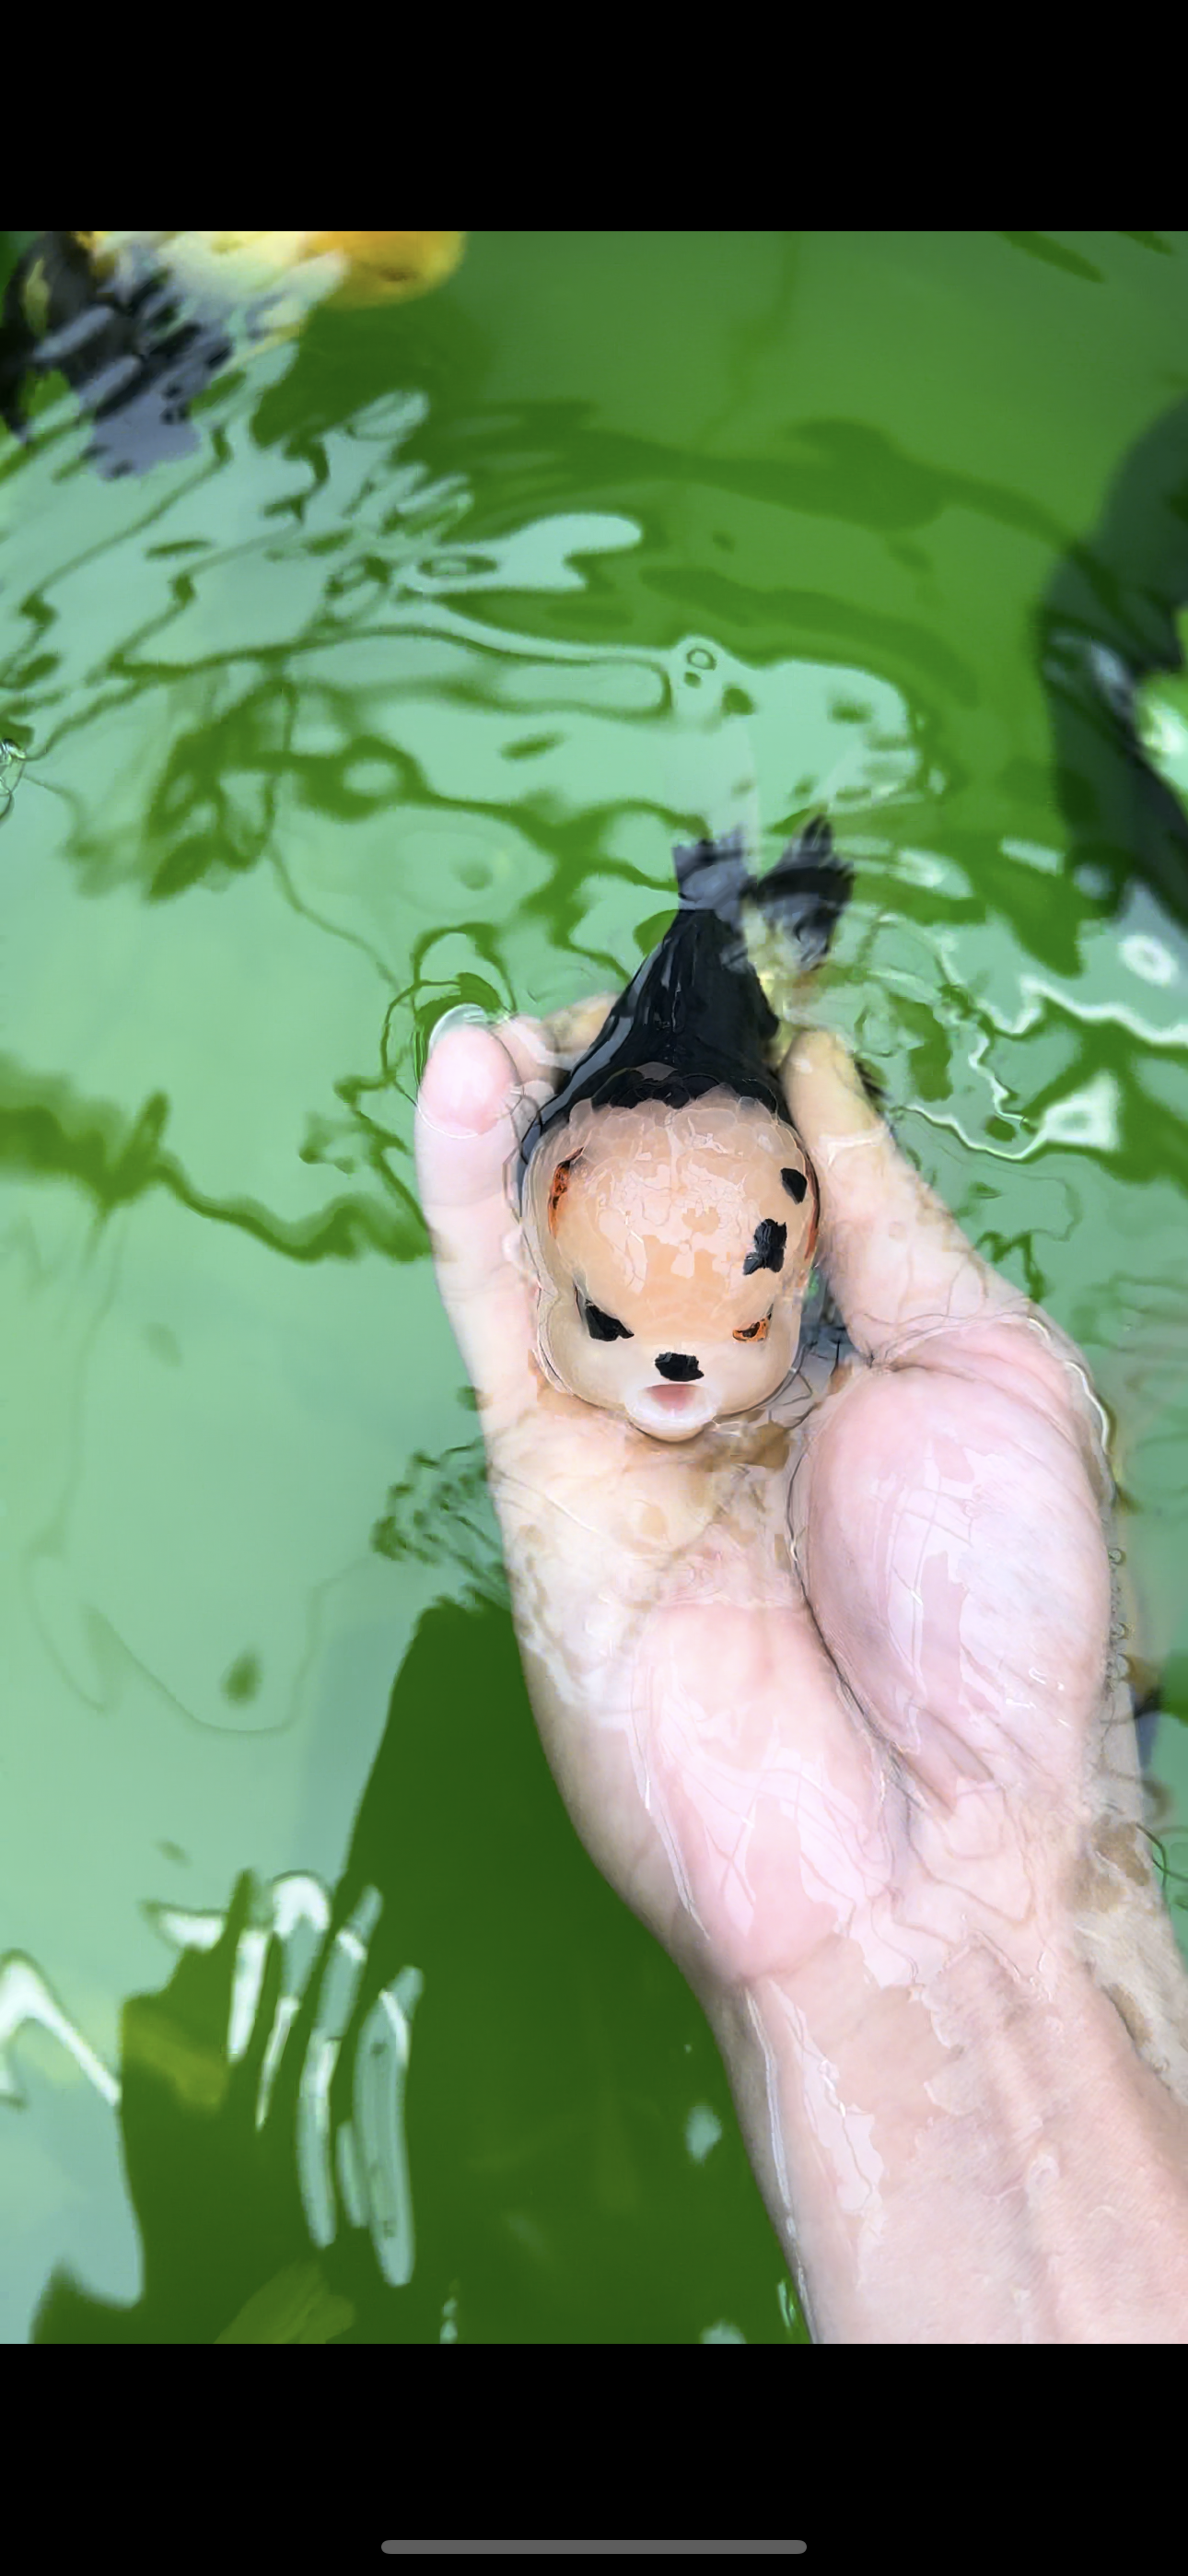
(294, 2164)
(228, 2074)
(388, 698)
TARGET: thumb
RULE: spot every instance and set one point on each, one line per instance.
(895, 1257)
(466, 1133)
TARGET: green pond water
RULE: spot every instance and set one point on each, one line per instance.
(392, 697)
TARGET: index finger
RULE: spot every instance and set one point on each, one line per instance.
(897, 1260)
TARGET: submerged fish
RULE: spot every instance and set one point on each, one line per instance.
(139, 323)
(1108, 624)
(667, 1201)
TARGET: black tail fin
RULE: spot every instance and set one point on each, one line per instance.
(806, 893)
(712, 877)
(803, 896)
(696, 1016)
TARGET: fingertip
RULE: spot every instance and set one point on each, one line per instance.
(468, 1083)
(812, 1049)
(824, 1089)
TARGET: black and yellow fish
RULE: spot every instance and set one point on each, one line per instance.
(667, 1200)
(139, 323)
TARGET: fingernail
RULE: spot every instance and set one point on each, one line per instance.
(464, 1015)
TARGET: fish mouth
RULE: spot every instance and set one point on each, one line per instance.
(672, 1412)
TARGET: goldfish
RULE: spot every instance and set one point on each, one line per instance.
(669, 1208)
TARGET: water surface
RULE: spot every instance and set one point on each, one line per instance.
(393, 696)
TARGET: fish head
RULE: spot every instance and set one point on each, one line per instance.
(673, 1249)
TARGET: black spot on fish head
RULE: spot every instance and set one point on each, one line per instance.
(795, 1183)
(768, 1254)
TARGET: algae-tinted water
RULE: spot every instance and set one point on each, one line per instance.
(393, 696)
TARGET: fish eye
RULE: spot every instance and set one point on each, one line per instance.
(600, 1327)
(756, 1332)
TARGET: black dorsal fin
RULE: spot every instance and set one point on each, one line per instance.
(695, 1017)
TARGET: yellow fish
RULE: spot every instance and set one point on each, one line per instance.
(375, 268)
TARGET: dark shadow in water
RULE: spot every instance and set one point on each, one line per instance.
(556, 2057)
(1107, 624)
(217, 2204)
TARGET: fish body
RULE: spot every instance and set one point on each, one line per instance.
(120, 344)
(1108, 624)
(369, 268)
(667, 1201)
(139, 323)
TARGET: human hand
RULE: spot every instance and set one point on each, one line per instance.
(833, 1683)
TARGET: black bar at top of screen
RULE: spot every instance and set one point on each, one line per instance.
(594, 2548)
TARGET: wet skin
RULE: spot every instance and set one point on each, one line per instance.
(831, 1693)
